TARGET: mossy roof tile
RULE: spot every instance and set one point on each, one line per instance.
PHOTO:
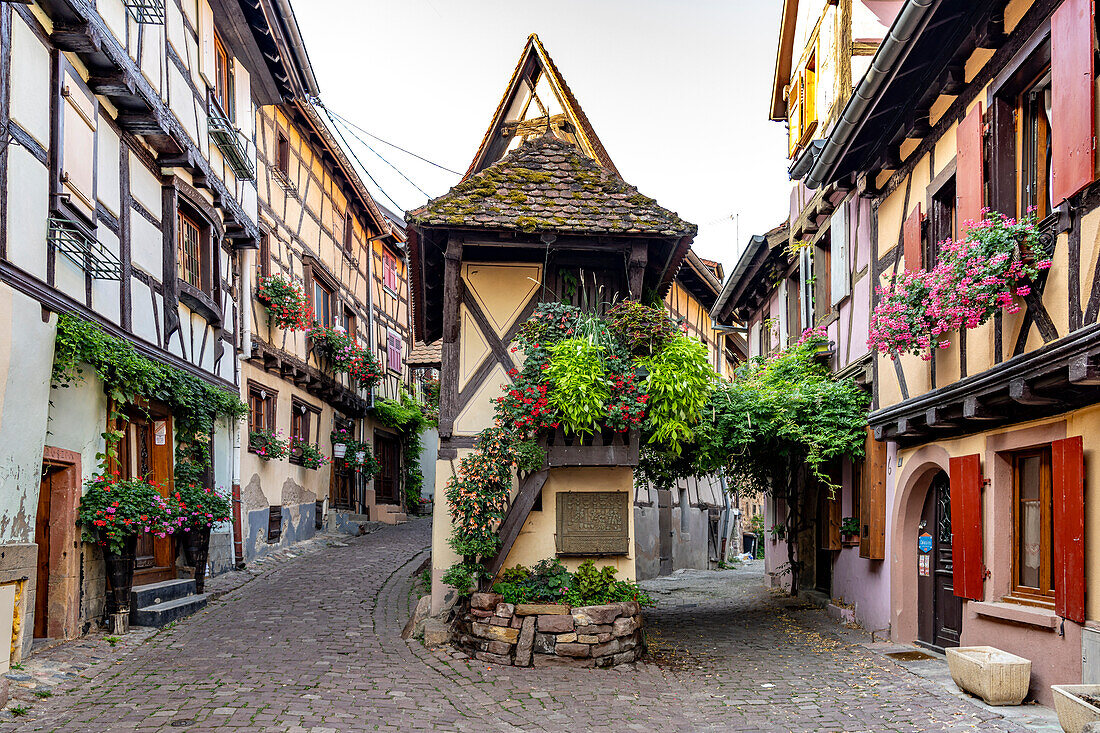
(535, 188)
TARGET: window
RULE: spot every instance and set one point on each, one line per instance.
(190, 251)
(323, 304)
(389, 271)
(1033, 510)
(802, 106)
(223, 77)
(305, 424)
(264, 265)
(261, 408)
(394, 349)
(942, 224)
(349, 233)
(1033, 117)
(349, 322)
(282, 155)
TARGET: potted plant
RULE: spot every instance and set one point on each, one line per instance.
(341, 439)
(113, 512)
(307, 454)
(849, 531)
(201, 508)
(285, 301)
(267, 444)
(344, 354)
(778, 532)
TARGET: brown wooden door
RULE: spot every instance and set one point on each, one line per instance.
(386, 482)
(939, 618)
(146, 451)
(42, 539)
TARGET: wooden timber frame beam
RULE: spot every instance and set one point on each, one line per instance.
(530, 488)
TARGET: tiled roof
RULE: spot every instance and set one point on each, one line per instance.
(423, 354)
(548, 185)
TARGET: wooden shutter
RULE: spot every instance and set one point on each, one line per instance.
(242, 99)
(794, 116)
(969, 174)
(1068, 479)
(805, 287)
(393, 354)
(966, 526)
(784, 314)
(1072, 48)
(839, 238)
(207, 55)
(872, 500)
(911, 241)
(78, 146)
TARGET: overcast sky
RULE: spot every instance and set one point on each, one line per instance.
(677, 91)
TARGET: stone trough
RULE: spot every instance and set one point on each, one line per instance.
(546, 635)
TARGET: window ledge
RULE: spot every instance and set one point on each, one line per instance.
(1016, 613)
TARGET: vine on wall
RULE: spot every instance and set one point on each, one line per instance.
(129, 378)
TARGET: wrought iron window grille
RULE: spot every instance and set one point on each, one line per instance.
(146, 12)
(231, 143)
(83, 249)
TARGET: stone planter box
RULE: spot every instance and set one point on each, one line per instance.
(995, 676)
(549, 635)
(1073, 712)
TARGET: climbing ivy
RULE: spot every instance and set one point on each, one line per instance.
(407, 418)
(129, 377)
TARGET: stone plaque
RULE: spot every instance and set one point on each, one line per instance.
(593, 523)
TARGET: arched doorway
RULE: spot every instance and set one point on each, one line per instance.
(939, 610)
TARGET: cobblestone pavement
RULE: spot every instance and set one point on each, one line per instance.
(313, 646)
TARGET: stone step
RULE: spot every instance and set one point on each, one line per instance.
(167, 590)
(162, 614)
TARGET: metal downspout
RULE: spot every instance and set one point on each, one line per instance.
(242, 357)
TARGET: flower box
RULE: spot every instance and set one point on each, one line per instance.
(997, 677)
(604, 448)
(1075, 712)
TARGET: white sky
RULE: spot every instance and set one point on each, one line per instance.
(677, 91)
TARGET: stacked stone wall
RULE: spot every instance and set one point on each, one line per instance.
(545, 635)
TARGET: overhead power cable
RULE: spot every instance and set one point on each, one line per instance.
(349, 123)
(340, 121)
(363, 168)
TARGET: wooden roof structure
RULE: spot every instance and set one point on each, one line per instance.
(523, 113)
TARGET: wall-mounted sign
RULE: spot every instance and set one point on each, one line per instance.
(924, 542)
(593, 522)
(160, 432)
(925, 565)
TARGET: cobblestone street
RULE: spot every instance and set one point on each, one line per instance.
(314, 645)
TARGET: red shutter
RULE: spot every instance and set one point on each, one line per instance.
(911, 241)
(966, 526)
(1068, 474)
(1072, 45)
(969, 175)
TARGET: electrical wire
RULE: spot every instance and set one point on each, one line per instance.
(386, 142)
(339, 121)
(363, 168)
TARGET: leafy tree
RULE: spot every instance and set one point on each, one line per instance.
(778, 426)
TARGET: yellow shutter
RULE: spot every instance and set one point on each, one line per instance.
(794, 116)
(206, 43)
(78, 155)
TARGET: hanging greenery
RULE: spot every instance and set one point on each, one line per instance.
(346, 355)
(407, 418)
(129, 377)
(269, 445)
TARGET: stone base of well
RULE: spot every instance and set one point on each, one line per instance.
(549, 635)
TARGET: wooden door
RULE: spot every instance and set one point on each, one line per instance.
(664, 530)
(146, 451)
(42, 539)
(386, 482)
(939, 610)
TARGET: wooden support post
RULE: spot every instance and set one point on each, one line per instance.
(513, 522)
(452, 298)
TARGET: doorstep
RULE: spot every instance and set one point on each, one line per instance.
(1031, 716)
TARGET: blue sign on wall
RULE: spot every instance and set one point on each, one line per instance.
(924, 542)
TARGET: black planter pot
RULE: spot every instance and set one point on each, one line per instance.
(120, 574)
(196, 549)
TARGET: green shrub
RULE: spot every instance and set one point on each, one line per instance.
(679, 381)
(641, 329)
(581, 389)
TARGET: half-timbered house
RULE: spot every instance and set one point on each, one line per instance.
(321, 229)
(813, 274)
(127, 193)
(990, 444)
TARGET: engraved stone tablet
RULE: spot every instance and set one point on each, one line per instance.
(593, 523)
